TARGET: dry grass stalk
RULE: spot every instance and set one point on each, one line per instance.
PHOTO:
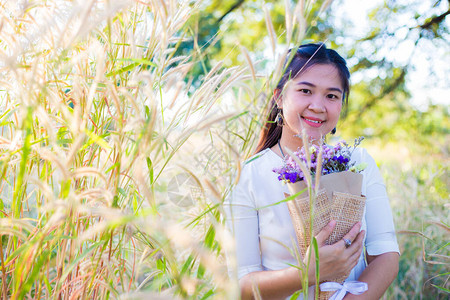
(270, 29)
(249, 62)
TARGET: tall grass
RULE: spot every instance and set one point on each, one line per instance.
(419, 199)
(95, 113)
(100, 122)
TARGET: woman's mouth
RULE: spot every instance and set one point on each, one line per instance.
(313, 122)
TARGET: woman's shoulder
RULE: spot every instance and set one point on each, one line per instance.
(360, 154)
(260, 163)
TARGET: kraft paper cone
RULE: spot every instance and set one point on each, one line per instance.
(299, 211)
(338, 198)
(343, 182)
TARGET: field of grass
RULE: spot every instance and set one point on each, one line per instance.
(114, 166)
(419, 199)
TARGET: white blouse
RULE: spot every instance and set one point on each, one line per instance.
(265, 237)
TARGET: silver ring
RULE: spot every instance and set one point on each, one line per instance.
(347, 243)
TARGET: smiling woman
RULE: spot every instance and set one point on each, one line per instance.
(308, 99)
(328, 63)
(311, 101)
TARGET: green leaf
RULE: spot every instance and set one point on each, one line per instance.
(201, 271)
(37, 267)
(150, 169)
(97, 139)
(292, 197)
(441, 288)
(208, 294)
(121, 70)
(316, 253)
(252, 159)
(115, 203)
(47, 283)
(122, 192)
(26, 149)
(210, 235)
(135, 62)
(239, 115)
(295, 295)
(62, 142)
(141, 61)
(187, 264)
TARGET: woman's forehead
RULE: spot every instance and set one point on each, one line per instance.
(318, 73)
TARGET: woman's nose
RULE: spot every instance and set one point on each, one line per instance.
(317, 104)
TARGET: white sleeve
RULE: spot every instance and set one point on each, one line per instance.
(242, 220)
(380, 237)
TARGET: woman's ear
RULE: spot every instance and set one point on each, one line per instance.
(278, 98)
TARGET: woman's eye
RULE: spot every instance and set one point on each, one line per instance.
(305, 91)
(332, 96)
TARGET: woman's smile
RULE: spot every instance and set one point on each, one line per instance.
(311, 121)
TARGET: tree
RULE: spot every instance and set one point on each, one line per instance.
(400, 36)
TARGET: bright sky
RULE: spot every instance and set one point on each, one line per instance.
(424, 87)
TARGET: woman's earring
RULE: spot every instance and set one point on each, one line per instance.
(333, 131)
(279, 118)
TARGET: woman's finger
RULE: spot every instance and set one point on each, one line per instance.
(350, 237)
(354, 257)
(357, 243)
(322, 236)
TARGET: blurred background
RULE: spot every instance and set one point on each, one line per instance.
(397, 52)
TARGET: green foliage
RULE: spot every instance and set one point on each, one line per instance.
(420, 192)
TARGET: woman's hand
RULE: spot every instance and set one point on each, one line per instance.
(335, 260)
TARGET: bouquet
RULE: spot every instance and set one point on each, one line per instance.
(336, 183)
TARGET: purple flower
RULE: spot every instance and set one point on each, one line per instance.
(334, 159)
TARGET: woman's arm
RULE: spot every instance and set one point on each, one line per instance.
(270, 284)
(378, 275)
(335, 260)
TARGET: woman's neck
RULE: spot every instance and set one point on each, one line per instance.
(285, 143)
(290, 142)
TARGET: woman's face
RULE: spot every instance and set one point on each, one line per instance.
(312, 101)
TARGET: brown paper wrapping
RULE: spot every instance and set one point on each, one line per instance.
(339, 198)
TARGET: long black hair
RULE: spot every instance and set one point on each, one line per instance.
(305, 56)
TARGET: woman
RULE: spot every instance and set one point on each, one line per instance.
(309, 96)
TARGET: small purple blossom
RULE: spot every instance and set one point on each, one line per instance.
(334, 159)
